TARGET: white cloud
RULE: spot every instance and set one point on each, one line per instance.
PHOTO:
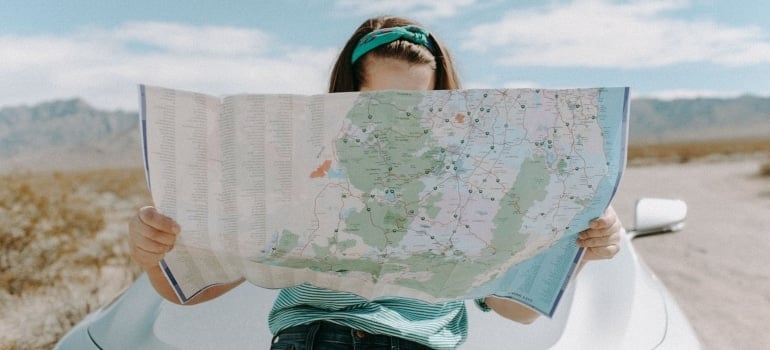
(426, 10)
(104, 66)
(198, 40)
(687, 94)
(601, 34)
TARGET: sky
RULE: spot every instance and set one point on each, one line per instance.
(101, 50)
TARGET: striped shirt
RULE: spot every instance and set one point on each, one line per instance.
(440, 326)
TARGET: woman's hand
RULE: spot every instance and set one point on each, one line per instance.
(150, 236)
(602, 239)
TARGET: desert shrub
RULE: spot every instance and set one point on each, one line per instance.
(39, 230)
(62, 249)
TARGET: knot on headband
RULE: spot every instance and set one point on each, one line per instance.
(385, 36)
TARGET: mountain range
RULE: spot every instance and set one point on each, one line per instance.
(67, 135)
(71, 134)
(699, 119)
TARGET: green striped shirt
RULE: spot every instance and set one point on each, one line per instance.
(440, 326)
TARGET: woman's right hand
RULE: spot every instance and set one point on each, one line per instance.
(150, 236)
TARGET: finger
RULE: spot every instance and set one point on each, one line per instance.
(149, 244)
(603, 222)
(592, 233)
(152, 217)
(595, 233)
(606, 252)
(145, 258)
(601, 227)
(599, 241)
(137, 228)
(606, 220)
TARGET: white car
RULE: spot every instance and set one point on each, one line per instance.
(615, 304)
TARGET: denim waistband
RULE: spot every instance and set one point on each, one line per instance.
(324, 334)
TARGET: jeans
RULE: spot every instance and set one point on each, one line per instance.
(323, 335)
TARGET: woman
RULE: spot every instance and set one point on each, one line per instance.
(383, 53)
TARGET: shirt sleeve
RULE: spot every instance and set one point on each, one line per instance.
(482, 305)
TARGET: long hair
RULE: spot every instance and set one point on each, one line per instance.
(348, 77)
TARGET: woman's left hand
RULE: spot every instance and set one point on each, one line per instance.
(602, 239)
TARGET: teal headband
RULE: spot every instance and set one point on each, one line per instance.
(385, 36)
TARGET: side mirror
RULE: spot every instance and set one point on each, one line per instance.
(658, 215)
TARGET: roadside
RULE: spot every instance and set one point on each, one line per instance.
(716, 268)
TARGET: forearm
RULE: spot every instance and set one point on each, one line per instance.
(512, 310)
(164, 289)
(160, 284)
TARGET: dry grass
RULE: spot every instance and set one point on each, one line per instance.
(688, 151)
(647, 154)
(62, 249)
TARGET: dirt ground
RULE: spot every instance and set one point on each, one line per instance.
(717, 267)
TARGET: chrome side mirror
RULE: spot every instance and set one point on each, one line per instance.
(658, 215)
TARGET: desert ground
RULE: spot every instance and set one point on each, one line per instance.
(717, 267)
(63, 250)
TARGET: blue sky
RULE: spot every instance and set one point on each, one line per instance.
(100, 50)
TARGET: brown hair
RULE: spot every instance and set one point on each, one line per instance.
(348, 77)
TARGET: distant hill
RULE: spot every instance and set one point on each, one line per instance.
(71, 134)
(58, 123)
(65, 135)
(700, 119)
